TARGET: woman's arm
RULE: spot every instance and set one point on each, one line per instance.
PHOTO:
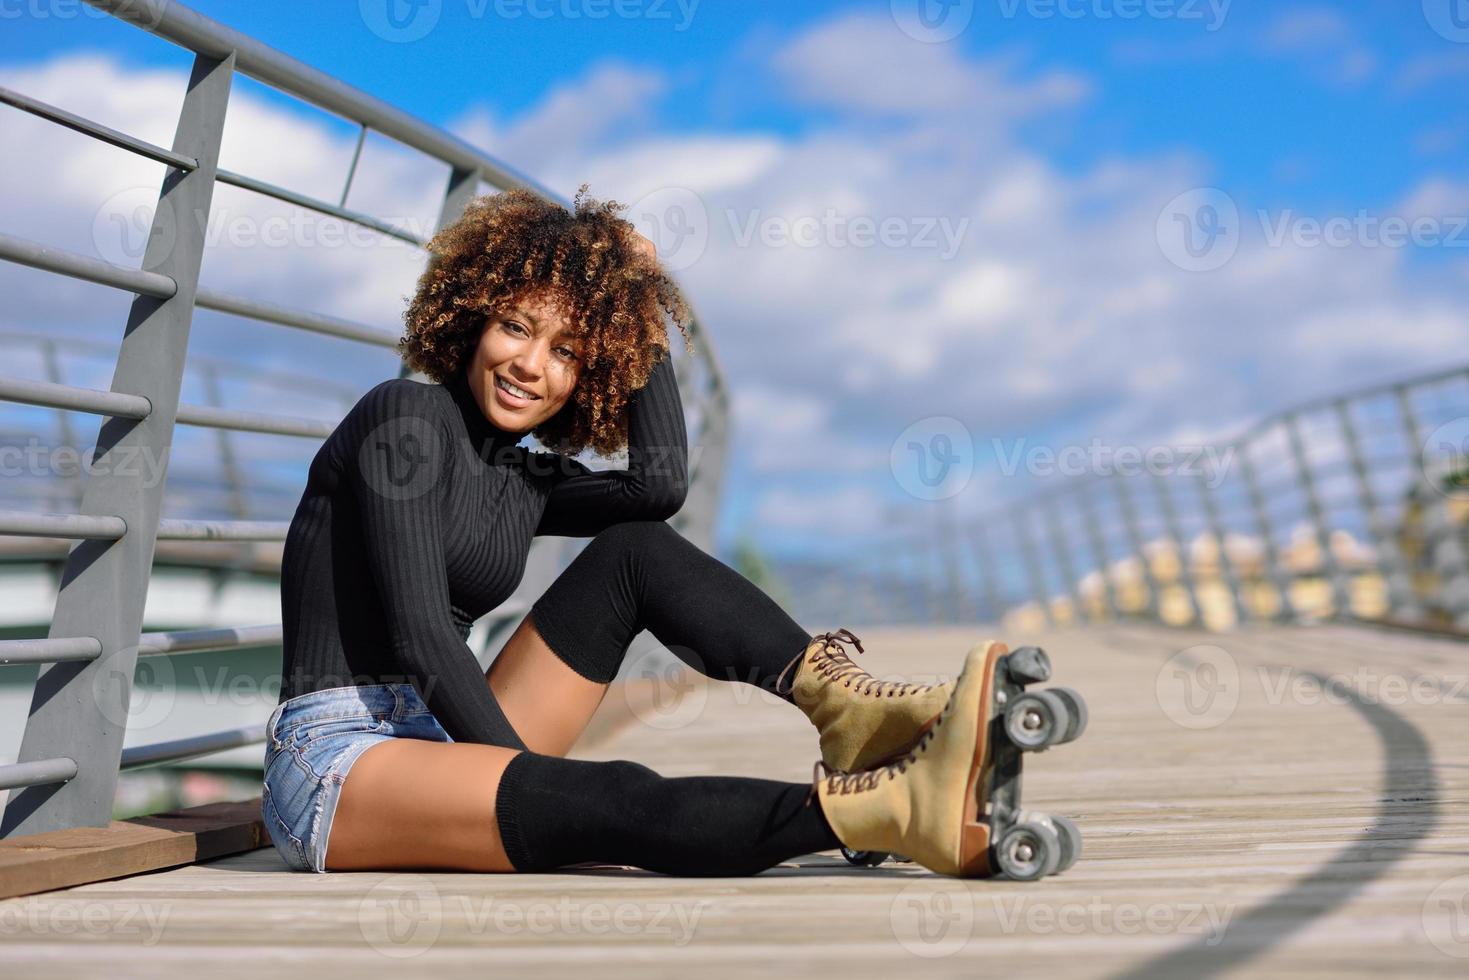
(583, 502)
(398, 463)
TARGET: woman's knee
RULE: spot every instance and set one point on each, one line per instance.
(635, 534)
(638, 540)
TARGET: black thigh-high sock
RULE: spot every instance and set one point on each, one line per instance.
(640, 575)
(553, 812)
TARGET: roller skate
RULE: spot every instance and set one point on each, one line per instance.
(952, 802)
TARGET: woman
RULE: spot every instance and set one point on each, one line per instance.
(390, 748)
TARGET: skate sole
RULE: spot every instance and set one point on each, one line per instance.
(975, 835)
(992, 805)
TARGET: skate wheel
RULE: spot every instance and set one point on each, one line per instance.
(864, 859)
(1028, 665)
(1036, 721)
(1070, 837)
(1076, 706)
(1028, 851)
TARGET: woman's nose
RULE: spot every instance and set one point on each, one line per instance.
(532, 359)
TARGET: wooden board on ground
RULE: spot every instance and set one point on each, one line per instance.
(61, 858)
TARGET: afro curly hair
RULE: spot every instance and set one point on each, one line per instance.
(515, 245)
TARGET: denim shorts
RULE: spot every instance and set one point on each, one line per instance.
(311, 742)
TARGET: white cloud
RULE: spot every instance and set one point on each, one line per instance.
(1306, 28)
(1058, 312)
(861, 62)
(1324, 39)
(1437, 68)
(571, 120)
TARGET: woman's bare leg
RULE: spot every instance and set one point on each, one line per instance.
(412, 803)
(547, 702)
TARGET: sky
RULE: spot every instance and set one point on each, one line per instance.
(976, 227)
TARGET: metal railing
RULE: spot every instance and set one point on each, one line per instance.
(1355, 506)
(67, 771)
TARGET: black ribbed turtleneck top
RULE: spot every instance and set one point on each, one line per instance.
(416, 520)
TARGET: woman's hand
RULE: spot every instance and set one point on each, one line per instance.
(645, 245)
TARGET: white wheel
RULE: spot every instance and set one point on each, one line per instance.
(1028, 851)
(1037, 720)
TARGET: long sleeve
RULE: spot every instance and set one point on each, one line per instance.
(582, 502)
(398, 461)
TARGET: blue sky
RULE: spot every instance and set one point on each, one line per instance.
(1332, 112)
(1053, 138)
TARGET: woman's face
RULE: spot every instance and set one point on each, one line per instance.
(529, 348)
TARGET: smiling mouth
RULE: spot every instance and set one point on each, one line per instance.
(514, 391)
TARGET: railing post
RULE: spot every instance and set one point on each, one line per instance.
(1063, 560)
(1273, 572)
(1032, 561)
(948, 560)
(1227, 571)
(1099, 548)
(68, 496)
(463, 184)
(1448, 545)
(1175, 534)
(1401, 599)
(1330, 569)
(917, 594)
(985, 565)
(239, 507)
(1154, 604)
(79, 709)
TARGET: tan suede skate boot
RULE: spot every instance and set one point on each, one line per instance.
(863, 722)
(926, 805)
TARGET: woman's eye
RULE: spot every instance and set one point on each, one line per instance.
(511, 324)
(567, 353)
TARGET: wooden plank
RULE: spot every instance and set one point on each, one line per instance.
(1293, 835)
(62, 858)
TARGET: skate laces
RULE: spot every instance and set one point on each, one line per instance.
(833, 663)
(842, 781)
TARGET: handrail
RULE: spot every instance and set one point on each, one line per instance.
(71, 753)
(191, 747)
(1337, 527)
(173, 529)
(57, 650)
(96, 130)
(40, 772)
(62, 525)
(202, 35)
(50, 395)
(25, 252)
(207, 640)
(210, 299)
(229, 418)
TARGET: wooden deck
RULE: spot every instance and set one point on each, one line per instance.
(1279, 802)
